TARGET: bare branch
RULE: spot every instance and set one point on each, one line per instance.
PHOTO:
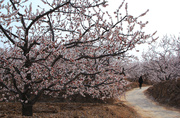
(5, 33)
(22, 18)
(51, 27)
(44, 14)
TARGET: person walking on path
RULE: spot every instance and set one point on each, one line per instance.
(140, 81)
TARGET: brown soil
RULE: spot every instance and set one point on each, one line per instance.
(166, 93)
(70, 110)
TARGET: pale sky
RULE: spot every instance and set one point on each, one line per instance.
(163, 17)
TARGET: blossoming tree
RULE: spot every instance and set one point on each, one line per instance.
(161, 62)
(63, 45)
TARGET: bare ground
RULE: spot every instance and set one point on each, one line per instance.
(70, 110)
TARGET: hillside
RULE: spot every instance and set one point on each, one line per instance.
(166, 92)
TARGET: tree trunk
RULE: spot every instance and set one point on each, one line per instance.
(27, 109)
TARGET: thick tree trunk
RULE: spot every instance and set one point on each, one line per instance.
(27, 109)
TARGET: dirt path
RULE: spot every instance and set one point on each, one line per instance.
(146, 107)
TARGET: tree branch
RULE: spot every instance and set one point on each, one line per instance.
(44, 14)
(89, 6)
(22, 18)
(73, 44)
(57, 58)
(101, 56)
(5, 33)
(85, 74)
(51, 28)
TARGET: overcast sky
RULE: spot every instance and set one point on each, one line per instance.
(163, 16)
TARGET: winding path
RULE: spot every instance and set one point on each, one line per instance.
(146, 107)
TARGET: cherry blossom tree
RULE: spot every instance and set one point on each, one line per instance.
(134, 70)
(69, 46)
(162, 62)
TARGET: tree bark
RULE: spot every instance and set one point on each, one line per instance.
(27, 109)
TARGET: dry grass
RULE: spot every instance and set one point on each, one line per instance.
(166, 92)
(70, 110)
